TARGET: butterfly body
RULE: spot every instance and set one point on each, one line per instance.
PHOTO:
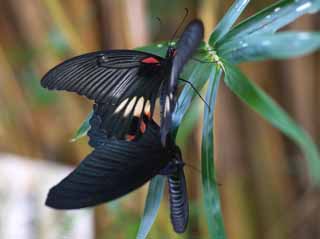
(178, 196)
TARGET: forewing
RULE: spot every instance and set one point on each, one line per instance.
(113, 169)
(123, 84)
(186, 46)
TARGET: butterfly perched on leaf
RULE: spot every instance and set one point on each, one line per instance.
(126, 83)
(129, 147)
(116, 167)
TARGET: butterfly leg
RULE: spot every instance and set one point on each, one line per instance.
(172, 167)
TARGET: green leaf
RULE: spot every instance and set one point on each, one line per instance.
(271, 46)
(210, 188)
(159, 49)
(271, 19)
(188, 123)
(197, 74)
(152, 205)
(84, 128)
(268, 109)
(228, 20)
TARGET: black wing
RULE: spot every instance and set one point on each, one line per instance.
(113, 169)
(123, 83)
(187, 45)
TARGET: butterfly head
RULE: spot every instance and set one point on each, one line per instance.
(171, 52)
(175, 152)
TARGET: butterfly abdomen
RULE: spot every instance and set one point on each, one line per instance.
(178, 201)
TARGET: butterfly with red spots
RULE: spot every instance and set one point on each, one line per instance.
(117, 167)
(126, 83)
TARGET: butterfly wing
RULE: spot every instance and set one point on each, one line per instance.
(187, 45)
(123, 83)
(113, 169)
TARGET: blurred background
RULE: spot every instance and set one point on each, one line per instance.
(264, 187)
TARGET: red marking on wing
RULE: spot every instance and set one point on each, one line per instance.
(142, 127)
(130, 137)
(148, 114)
(150, 60)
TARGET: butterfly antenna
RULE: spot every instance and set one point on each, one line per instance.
(193, 167)
(197, 92)
(180, 25)
(198, 171)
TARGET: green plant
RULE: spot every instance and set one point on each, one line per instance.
(254, 39)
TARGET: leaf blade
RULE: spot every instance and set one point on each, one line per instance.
(271, 19)
(228, 20)
(83, 129)
(153, 200)
(259, 101)
(210, 188)
(271, 46)
(198, 76)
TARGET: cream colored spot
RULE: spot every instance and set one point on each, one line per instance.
(147, 108)
(130, 106)
(121, 106)
(139, 107)
(167, 106)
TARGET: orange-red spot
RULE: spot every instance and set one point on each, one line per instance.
(130, 137)
(148, 114)
(150, 60)
(142, 127)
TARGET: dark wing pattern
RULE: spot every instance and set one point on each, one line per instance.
(123, 83)
(179, 207)
(186, 46)
(113, 169)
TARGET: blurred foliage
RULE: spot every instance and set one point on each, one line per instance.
(264, 192)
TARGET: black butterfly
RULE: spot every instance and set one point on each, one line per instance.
(117, 167)
(126, 83)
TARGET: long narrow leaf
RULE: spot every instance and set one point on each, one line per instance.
(189, 121)
(210, 188)
(198, 76)
(271, 19)
(271, 46)
(228, 20)
(152, 205)
(268, 109)
(84, 128)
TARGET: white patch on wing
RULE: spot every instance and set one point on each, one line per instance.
(121, 106)
(147, 108)
(139, 107)
(167, 106)
(130, 107)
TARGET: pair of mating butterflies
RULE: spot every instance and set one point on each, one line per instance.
(129, 147)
